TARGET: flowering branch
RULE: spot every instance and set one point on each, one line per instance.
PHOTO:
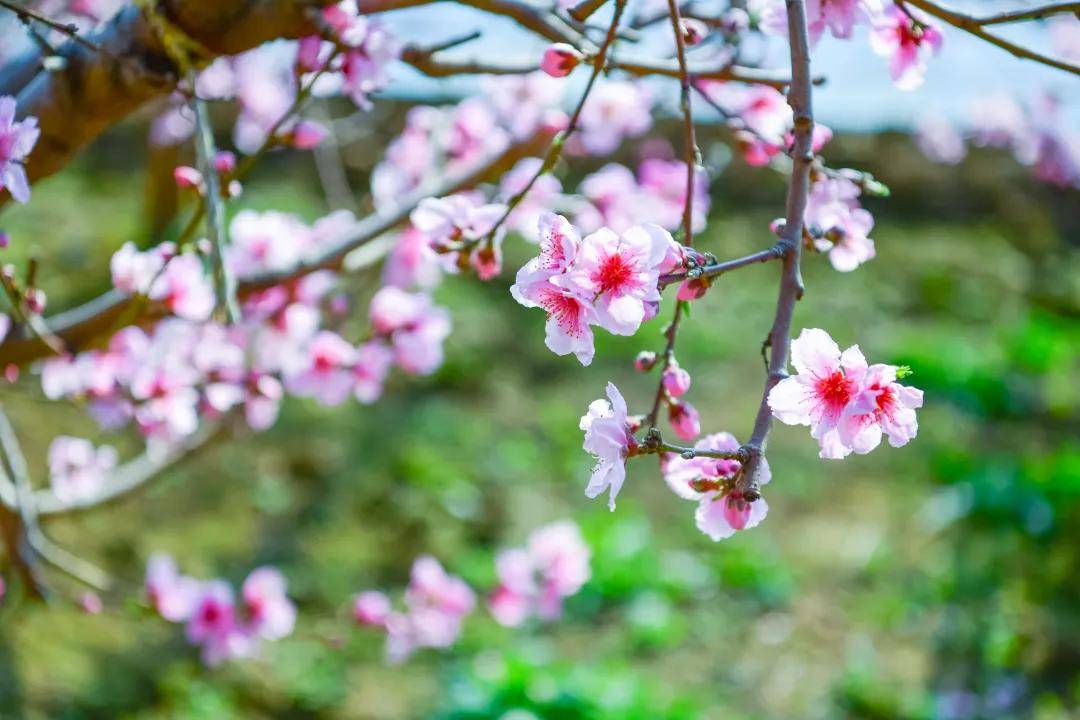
(82, 325)
(129, 65)
(791, 284)
(974, 26)
(716, 269)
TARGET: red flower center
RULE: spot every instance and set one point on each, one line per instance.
(613, 274)
(835, 390)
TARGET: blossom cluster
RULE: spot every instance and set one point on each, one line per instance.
(352, 60)
(534, 580)
(848, 404)
(189, 366)
(606, 279)
(1038, 134)
(222, 626)
(898, 34)
(436, 604)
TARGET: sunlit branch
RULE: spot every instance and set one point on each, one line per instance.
(1035, 13)
(791, 284)
(974, 26)
(83, 325)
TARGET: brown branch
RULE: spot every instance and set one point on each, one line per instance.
(585, 9)
(791, 285)
(974, 26)
(80, 327)
(94, 90)
(776, 252)
(1035, 13)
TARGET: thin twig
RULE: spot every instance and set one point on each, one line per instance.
(776, 252)
(71, 30)
(1035, 13)
(206, 151)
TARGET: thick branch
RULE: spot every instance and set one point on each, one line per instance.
(974, 26)
(791, 286)
(95, 90)
(81, 326)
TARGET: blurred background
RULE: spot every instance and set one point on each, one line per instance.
(940, 581)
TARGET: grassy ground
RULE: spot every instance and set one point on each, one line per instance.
(877, 586)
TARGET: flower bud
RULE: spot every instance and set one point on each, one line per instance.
(560, 59)
(35, 300)
(307, 134)
(5, 239)
(90, 603)
(684, 420)
(307, 53)
(187, 177)
(225, 162)
(693, 31)
(645, 361)
(676, 380)
(371, 608)
(734, 21)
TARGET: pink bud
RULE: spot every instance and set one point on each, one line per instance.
(734, 21)
(5, 239)
(693, 289)
(225, 162)
(560, 59)
(187, 177)
(371, 608)
(90, 603)
(555, 121)
(308, 134)
(684, 420)
(676, 380)
(645, 361)
(35, 300)
(11, 373)
(307, 54)
(693, 31)
(776, 227)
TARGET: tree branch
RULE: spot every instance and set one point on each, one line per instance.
(94, 90)
(974, 26)
(81, 326)
(1035, 13)
(791, 285)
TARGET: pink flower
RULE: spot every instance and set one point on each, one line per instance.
(268, 241)
(268, 611)
(544, 193)
(615, 110)
(458, 228)
(608, 439)
(709, 482)
(173, 595)
(939, 140)
(664, 183)
(904, 40)
(77, 469)
(324, 372)
(819, 395)
(17, 139)
(187, 178)
(536, 579)
(214, 614)
(882, 405)
(185, 289)
(833, 214)
(838, 16)
(373, 361)
(414, 326)
(371, 608)
(412, 262)
(621, 273)
(615, 200)
(560, 59)
(569, 310)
